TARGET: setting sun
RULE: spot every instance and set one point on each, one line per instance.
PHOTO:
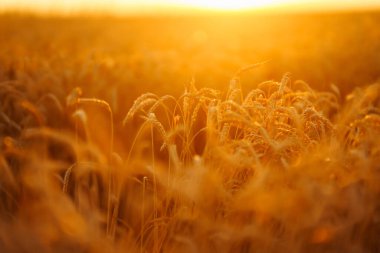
(232, 5)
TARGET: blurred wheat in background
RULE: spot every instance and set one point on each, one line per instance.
(190, 133)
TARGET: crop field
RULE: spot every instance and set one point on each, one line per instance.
(205, 133)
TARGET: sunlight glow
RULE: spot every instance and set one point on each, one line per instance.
(179, 6)
(233, 5)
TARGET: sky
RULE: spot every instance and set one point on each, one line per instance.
(172, 6)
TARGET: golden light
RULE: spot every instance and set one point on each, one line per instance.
(233, 4)
(175, 6)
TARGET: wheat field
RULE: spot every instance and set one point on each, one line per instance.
(191, 134)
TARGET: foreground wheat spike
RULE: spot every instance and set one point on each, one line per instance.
(279, 166)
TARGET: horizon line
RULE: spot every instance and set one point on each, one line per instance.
(164, 10)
